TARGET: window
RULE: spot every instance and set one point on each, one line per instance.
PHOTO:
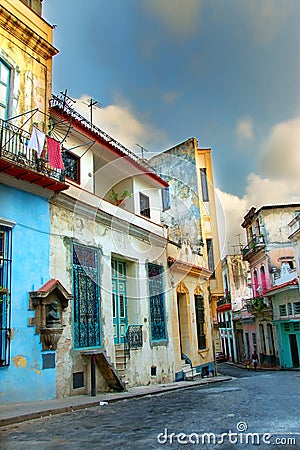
(5, 294)
(200, 321)
(166, 202)
(262, 338)
(157, 307)
(4, 89)
(282, 310)
(210, 254)
(263, 279)
(86, 297)
(255, 283)
(297, 308)
(72, 166)
(144, 205)
(204, 185)
(254, 339)
(289, 309)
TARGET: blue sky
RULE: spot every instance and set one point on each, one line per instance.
(225, 72)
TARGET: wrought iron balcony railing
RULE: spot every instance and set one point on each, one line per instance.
(255, 244)
(133, 339)
(224, 301)
(22, 162)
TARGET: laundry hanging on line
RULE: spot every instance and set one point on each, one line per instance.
(54, 153)
(37, 140)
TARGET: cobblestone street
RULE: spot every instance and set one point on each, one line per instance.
(262, 402)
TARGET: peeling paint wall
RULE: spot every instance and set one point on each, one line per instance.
(30, 62)
(190, 222)
(88, 230)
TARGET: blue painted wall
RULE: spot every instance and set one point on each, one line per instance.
(285, 354)
(24, 379)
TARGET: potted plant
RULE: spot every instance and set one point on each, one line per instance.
(117, 198)
(3, 292)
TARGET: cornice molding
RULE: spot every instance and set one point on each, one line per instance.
(20, 31)
(91, 212)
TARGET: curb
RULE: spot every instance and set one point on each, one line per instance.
(44, 412)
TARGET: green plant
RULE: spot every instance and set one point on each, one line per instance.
(258, 303)
(117, 198)
(3, 291)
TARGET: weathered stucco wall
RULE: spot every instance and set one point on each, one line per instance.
(29, 55)
(85, 229)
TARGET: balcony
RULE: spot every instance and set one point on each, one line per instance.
(21, 162)
(256, 244)
(224, 304)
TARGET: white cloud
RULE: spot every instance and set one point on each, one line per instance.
(180, 17)
(170, 97)
(244, 130)
(266, 17)
(280, 154)
(279, 182)
(120, 122)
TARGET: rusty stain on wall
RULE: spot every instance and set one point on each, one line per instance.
(20, 361)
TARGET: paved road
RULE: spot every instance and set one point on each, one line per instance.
(262, 402)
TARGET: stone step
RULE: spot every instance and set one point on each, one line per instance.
(190, 374)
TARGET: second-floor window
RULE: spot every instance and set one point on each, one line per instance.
(4, 89)
(204, 185)
(166, 201)
(72, 166)
(210, 254)
(144, 205)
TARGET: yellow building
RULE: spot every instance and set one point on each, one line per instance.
(25, 62)
(193, 256)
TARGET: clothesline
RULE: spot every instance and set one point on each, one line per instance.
(38, 138)
(37, 142)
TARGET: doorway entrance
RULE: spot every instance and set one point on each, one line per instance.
(119, 300)
(294, 350)
(183, 324)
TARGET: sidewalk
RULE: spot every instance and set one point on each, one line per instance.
(19, 412)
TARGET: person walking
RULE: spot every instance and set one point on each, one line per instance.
(254, 358)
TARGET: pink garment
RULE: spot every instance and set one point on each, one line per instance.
(37, 140)
(54, 153)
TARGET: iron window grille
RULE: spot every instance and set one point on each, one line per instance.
(87, 330)
(72, 166)
(144, 205)
(5, 293)
(157, 303)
